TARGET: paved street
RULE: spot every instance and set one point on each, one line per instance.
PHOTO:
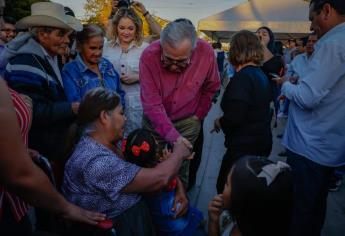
(213, 152)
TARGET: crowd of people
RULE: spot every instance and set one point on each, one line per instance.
(102, 129)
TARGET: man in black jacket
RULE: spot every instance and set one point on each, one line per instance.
(32, 69)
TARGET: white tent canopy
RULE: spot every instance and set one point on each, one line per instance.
(286, 18)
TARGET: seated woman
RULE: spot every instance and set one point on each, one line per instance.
(89, 69)
(258, 194)
(246, 105)
(96, 177)
(141, 148)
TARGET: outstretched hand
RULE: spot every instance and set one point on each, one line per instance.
(114, 5)
(181, 149)
(166, 153)
(215, 208)
(181, 201)
(75, 213)
(185, 142)
(139, 6)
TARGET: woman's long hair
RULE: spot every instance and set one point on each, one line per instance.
(94, 102)
(130, 14)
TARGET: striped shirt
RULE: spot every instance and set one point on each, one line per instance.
(18, 207)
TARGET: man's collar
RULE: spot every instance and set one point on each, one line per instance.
(337, 29)
(102, 65)
(46, 54)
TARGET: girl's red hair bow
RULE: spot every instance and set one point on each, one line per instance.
(143, 147)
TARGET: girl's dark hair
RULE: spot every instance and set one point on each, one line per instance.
(270, 45)
(89, 31)
(137, 138)
(93, 103)
(257, 208)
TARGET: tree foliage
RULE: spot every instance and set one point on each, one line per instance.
(19, 8)
(97, 11)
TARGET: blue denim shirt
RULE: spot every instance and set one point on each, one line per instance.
(78, 79)
(316, 124)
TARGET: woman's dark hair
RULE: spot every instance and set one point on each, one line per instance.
(270, 45)
(257, 208)
(89, 31)
(338, 5)
(142, 158)
(93, 103)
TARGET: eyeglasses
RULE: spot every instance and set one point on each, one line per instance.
(167, 61)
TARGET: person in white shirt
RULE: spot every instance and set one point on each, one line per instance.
(124, 50)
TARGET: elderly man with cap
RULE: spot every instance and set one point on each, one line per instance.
(32, 69)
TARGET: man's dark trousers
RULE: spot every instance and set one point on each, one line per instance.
(311, 181)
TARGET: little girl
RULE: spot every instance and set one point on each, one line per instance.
(142, 149)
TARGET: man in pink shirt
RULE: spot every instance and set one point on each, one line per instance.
(178, 78)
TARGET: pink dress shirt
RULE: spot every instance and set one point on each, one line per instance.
(168, 97)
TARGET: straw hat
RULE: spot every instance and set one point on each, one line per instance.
(49, 14)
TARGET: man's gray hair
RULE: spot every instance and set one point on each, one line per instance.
(176, 32)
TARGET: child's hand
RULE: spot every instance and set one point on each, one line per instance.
(215, 208)
(181, 201)
(165, 154)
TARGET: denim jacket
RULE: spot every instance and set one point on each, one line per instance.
(78, 79)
